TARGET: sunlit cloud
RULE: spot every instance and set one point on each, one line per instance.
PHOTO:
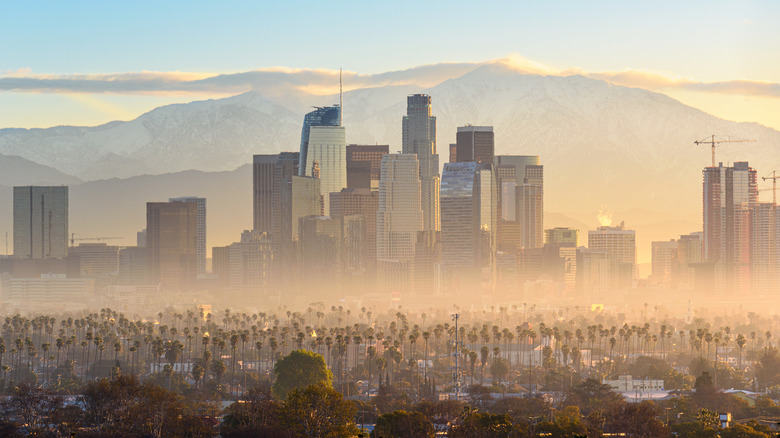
(96, 103)
(322, 81)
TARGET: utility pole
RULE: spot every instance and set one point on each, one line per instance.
(456, 375)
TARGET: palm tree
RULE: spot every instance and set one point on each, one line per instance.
(741, 341)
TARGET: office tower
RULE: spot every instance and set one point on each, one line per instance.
(251, 267)
(220, 263)
(426, 271)
(272, 194)
(398, 219)
(322, 116)
(140, 239)
(689, 257)
(520, 180)
(365, 203)
(561, 236)
(419, 137)
(475, 143)
(764, 247)
(306, 200)
(93, 260)
(330, 249)
(364, 165)
(201, 236)
(595, 273)
(729, 193)
(40, 222)
(620, 246)
(453, 153)
(327, 147)
(468, 225)
(664, 262)
(171, 242)
(133, 265)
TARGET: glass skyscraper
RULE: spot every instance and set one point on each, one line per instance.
(419, 137)
(322, 116)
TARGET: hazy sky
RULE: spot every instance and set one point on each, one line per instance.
(722, 57)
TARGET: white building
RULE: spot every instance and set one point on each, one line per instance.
(328, 147)
(626, 383)
(399, 217)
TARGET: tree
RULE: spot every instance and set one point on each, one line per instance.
(636, 420)
(300, 369)
(318, 411)
(768, 367)
(256, 415)
(484, 425)
(33, 406)
(403, 424)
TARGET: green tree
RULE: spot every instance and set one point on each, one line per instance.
(485, 425)
(300, 369)
(403, 424)
(319, 411)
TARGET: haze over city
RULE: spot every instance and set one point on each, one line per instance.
(579, 197)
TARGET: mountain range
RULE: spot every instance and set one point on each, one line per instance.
(605, 148)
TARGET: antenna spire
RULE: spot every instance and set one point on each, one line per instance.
(341, 100)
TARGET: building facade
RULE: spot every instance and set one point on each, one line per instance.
(200, 252)
(419, 137)
(41, 222)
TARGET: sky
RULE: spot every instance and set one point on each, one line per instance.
(721, 57)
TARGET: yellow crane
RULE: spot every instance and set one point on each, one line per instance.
(713, 142)
(774, 179)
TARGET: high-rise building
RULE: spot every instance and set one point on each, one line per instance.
(520, 180)
(251, 265)
(419, 137)
(322, 116)
(306, 200)
(664, 262)
(468, 221)
(475, 143)
(171, 242)
(562, 237)
(201, 236)
(272, 194)
(764, 249)
(398, 219)
(328, 148)
(93, 260)
(133, 265)
(620, 246)
(364, 165)
(730, 194)
(40, 222)
(363, 202)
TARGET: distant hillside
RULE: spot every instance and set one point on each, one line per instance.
(17, 171)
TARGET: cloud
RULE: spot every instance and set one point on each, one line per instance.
(320, 81)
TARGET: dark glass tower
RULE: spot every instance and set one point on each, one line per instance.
(322, 116)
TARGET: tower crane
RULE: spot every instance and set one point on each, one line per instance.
(774, 179)
(713, 142)
(73, 238)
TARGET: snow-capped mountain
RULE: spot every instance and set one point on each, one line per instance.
(603, 146)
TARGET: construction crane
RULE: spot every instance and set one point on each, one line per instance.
(73, 238)
(774, 179)
(713, 142)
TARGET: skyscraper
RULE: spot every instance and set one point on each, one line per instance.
(364, 165)
(520, 180)
(730, 194)
(272, 194)
(40, 222)
(398, 219)
(419, 137)
(620, 246)
(200, 250)
(171, 242)
(468, 225)
(322, 116)
(328, 147)
(475, 143)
